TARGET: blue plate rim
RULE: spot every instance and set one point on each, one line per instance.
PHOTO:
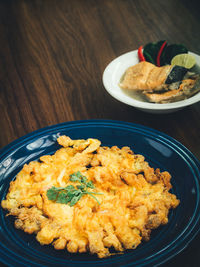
(98, 121)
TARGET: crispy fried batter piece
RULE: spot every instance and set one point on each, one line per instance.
(135, 199)
(145, 76)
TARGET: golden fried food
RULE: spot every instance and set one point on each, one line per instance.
(87, 197)
(145, 76)
(164, 84)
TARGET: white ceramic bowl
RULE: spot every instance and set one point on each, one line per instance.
(113, 73)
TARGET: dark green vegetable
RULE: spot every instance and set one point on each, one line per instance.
(173, 50)
(149, 58)
(151, 51)
(71, 194)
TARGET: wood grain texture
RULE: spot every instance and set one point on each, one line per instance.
(53, 54)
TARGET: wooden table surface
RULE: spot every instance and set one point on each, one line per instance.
(53, 54)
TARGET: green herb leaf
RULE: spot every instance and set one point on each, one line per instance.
(83, 179)
(63, 198)
(75, 177)
(70, 187)
(75, 199)
(71, 194)
(52, 193)
(78, 174)
(90, 184)
(81, 187)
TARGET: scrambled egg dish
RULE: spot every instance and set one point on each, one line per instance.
(88, 197)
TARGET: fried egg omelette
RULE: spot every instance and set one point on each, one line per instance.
(131, 198)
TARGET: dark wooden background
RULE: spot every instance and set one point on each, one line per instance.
(53, 54)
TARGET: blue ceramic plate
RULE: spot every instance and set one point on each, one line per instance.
(20, 249)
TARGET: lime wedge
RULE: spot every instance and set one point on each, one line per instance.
(184, 60)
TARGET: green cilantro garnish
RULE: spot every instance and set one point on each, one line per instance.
(71, 194)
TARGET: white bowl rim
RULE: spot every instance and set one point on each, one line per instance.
(140, 104)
